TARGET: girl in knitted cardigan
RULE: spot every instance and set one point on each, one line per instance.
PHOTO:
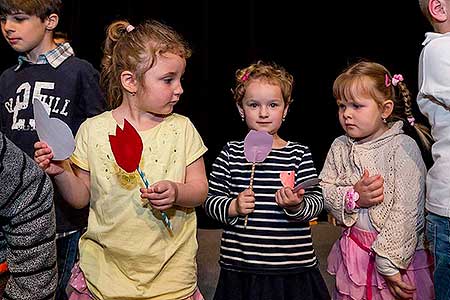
(374, 182)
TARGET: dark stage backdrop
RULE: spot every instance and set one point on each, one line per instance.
(314, 40)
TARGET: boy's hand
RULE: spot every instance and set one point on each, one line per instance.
(243, 205)
(43, 156)
(287, 199)
(370, 190)
(161, 195)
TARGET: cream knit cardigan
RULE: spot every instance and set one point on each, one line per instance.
(399, 219)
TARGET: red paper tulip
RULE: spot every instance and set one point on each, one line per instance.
(127, 147)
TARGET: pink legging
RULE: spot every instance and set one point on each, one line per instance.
(81, 292)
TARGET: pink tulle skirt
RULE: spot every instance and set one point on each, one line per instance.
(349, 263)
(81, 292)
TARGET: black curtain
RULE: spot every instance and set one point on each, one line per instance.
(313, 40)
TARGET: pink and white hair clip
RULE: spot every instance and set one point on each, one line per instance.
(130, 28)
(396, 79)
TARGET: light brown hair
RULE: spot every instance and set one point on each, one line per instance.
(136, 51)
(267, 72)
(39, 8)
(375, 81)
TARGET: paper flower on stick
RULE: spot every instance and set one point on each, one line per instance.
(127, 148)
(257, 145)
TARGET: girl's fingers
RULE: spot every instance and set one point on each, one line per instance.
(406, 287)
(377, 200)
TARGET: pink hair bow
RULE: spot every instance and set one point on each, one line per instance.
(245, 76)
(396, 79)
(387, 80)
(130, 28)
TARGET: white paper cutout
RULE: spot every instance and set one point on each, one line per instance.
(53, 131)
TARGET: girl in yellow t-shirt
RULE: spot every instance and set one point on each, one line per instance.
(127, 251)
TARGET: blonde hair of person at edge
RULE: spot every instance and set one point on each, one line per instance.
(127, 251)
(373, 182)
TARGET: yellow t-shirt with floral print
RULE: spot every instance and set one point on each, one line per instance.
(127, 252)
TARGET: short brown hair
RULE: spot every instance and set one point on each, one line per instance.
(39, 8)
(268, 72)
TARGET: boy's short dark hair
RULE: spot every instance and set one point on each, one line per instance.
(39, 8)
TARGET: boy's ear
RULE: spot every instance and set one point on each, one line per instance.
(51, 22)
(387, 108)
(438, 10)
(129, 82)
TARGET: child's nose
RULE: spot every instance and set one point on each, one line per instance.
(347, 114)
(179, 90)
(263, 112)
(7, 25)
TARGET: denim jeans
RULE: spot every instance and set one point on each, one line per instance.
(438, 236)
(67, 254)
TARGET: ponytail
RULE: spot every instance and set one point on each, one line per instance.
(109, 77)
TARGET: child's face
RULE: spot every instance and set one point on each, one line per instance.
(361, 118)
(24, 33)
(263, 106)
(162, 85)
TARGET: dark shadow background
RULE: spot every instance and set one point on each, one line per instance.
(313, 40)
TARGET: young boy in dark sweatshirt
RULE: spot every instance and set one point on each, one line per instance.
(66, 85)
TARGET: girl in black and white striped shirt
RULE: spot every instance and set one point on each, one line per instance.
(273, 256)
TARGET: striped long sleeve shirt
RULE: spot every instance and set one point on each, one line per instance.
(274, 241)
(27, 226)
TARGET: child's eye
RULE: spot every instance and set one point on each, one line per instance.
(273, 105)
(20, 17)
(168, 80)
(355, 105)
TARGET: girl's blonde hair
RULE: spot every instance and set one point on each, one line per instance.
(135, 49)
(267, 72)
(375, 81)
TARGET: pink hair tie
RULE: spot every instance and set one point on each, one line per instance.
(387, 80)
(130, 28)
(411, 120)
(396, 79)
(245, 76)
